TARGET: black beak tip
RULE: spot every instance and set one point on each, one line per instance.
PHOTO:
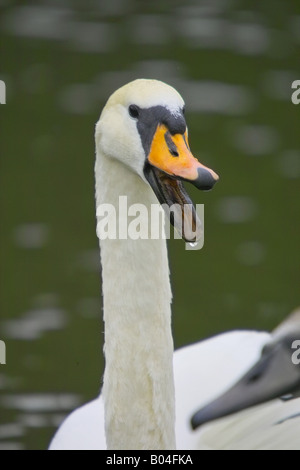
(206, 180)
(206, 414)
(194, 422)
(199, 418)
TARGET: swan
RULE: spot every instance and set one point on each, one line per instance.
(275, 374)
(142, 152)
(270, 426)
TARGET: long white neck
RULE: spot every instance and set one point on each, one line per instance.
(138, 385)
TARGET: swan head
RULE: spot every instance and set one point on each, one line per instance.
(143, 126)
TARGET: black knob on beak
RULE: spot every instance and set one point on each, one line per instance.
(206, 179)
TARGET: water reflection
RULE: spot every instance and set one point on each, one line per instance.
(256, 140)
(60, 24)
(31, 236)
(34, 323)
(40, 402)
(34, 411)
(12, 430)
(236, 210)
(216, 97)
(11, 446)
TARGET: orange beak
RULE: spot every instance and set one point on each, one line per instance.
(171, 154)
(170, 161)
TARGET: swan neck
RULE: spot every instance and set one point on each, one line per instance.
(138, 386)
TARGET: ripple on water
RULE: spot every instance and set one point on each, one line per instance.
(34, 323)
(11, 430)
(250, 38)
(236, 209)
(216, 97)
(41, 420)
(38, 21)
(36, 403)
(59, 24)
(256, 140)
(206, 28)
(11, 446)
(31, 236)
(204, 32)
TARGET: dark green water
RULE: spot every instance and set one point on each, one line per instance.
(234, 64)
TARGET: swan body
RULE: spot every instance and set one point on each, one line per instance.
(142, 153)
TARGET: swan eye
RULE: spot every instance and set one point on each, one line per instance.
(183, 110)
(133, 111)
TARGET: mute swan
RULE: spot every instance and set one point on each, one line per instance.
(141, 139)
(271, 426)
(275, 374)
